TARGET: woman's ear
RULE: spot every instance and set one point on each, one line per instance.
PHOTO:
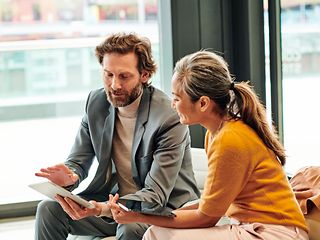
(145, 76)
(204, 103)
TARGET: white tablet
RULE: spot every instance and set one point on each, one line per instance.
(51, 189)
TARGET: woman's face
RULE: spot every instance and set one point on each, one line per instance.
(182, 103)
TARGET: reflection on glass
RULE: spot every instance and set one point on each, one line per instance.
(47, 68)
(37, 19)
(301, 81)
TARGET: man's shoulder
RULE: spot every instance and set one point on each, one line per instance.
(97, 100)
(97, 95)
(99, 92)
(159, 97)
(160, 106)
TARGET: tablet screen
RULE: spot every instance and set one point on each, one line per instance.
(51, 189)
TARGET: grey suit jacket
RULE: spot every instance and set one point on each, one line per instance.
(161, 157)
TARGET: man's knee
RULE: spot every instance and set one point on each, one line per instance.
(51, 221)
(133, 231)
(48, 208)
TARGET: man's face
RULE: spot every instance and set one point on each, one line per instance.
(121, 79)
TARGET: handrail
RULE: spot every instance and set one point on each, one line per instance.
(48, 44)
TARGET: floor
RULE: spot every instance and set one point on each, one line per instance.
(23, 228)
(18, 228)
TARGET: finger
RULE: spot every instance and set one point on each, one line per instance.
(63, 204)
(74, 177)
(114, 207)
(116, 197)
(68, 209)
(46, 170)
(111, 198)
(74, 206)
(63, 167)
(109, 204)
(45, 175)
(54, 169)
(60, 167)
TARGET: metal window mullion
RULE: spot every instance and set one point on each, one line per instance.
(276, 65)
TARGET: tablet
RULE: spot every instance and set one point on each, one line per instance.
(51, 189)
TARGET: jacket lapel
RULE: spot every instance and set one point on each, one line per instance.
(142, 118)
(105, 163)
(107, 134)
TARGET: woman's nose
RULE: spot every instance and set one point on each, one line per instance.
(173, 106)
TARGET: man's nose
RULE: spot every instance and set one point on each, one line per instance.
(115, 83)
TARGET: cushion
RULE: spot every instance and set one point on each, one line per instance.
(200, 166)
(313, 221)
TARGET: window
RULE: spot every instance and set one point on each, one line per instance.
(301, 81)
(300, 50)
(47, 68)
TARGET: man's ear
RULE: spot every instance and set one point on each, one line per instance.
(145, 76)
(205, 103)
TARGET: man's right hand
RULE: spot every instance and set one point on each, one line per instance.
(59, 174)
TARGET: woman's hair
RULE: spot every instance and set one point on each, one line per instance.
(204, 73)
(123, 43)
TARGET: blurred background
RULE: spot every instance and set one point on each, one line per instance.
(48, 67)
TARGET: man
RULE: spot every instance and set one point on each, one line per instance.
(142, 149)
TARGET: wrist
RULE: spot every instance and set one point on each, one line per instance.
(104, 210)
(140, 218)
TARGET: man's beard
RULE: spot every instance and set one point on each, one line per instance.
(126, 98)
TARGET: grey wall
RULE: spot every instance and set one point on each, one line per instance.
(232, 27)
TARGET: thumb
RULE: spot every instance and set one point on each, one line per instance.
(74, 177)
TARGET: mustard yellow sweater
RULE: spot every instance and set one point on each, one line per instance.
(246, 181)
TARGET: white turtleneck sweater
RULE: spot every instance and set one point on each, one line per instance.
(122, 146)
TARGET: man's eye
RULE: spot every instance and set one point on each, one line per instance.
(124, 76)
(108, 74)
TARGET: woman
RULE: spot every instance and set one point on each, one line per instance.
(245, 178)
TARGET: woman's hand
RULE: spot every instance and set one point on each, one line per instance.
(119, 214)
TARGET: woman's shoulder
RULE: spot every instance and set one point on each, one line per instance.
(236, 135)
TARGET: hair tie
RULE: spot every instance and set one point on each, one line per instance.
(231, 86)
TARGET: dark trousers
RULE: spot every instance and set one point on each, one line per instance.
(53, 223)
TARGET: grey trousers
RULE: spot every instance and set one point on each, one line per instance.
(52, 223)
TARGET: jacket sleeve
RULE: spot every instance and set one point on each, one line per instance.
(170, 147)
(82, 152)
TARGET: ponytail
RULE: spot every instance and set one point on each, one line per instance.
(246, 106)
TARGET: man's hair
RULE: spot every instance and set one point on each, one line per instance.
(124, 43)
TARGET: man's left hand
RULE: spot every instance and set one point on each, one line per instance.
(75, 211)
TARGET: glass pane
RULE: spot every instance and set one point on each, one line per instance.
(301, 81)
(47, 68)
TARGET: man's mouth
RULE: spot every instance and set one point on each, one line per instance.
(117, 94)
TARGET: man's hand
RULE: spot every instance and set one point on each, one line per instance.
(76, 212)
(59, 174)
